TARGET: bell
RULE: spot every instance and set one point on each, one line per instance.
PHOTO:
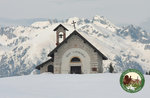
(60, 35)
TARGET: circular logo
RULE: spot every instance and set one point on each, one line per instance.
(132, 80)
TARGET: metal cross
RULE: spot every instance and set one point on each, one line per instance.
(74, 24)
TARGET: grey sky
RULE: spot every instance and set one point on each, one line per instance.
(117, 11)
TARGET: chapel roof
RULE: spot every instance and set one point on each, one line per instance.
(60, 26)
(76, 33)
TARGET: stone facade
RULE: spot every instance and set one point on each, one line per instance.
(76, 47)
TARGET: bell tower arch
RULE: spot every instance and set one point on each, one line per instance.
(60, 33)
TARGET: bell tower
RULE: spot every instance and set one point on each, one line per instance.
(60, 33)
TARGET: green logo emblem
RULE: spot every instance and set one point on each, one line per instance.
(132, 80)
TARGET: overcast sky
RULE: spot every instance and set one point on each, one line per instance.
(117, 11)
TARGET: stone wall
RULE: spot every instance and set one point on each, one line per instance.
(45, 67)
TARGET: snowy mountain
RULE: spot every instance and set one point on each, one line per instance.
(46, 85)
(24, 47)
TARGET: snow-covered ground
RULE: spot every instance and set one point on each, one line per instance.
(68, 86)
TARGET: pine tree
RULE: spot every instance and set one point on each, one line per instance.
(111, 69)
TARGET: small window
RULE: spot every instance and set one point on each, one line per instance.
(75, 59)
(51, 68)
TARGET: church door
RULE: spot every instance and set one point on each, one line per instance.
(51, 68)
(75, 70)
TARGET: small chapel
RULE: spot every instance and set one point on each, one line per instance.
(72, 55)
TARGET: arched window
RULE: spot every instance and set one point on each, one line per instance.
(51, 68)
(75, 59)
